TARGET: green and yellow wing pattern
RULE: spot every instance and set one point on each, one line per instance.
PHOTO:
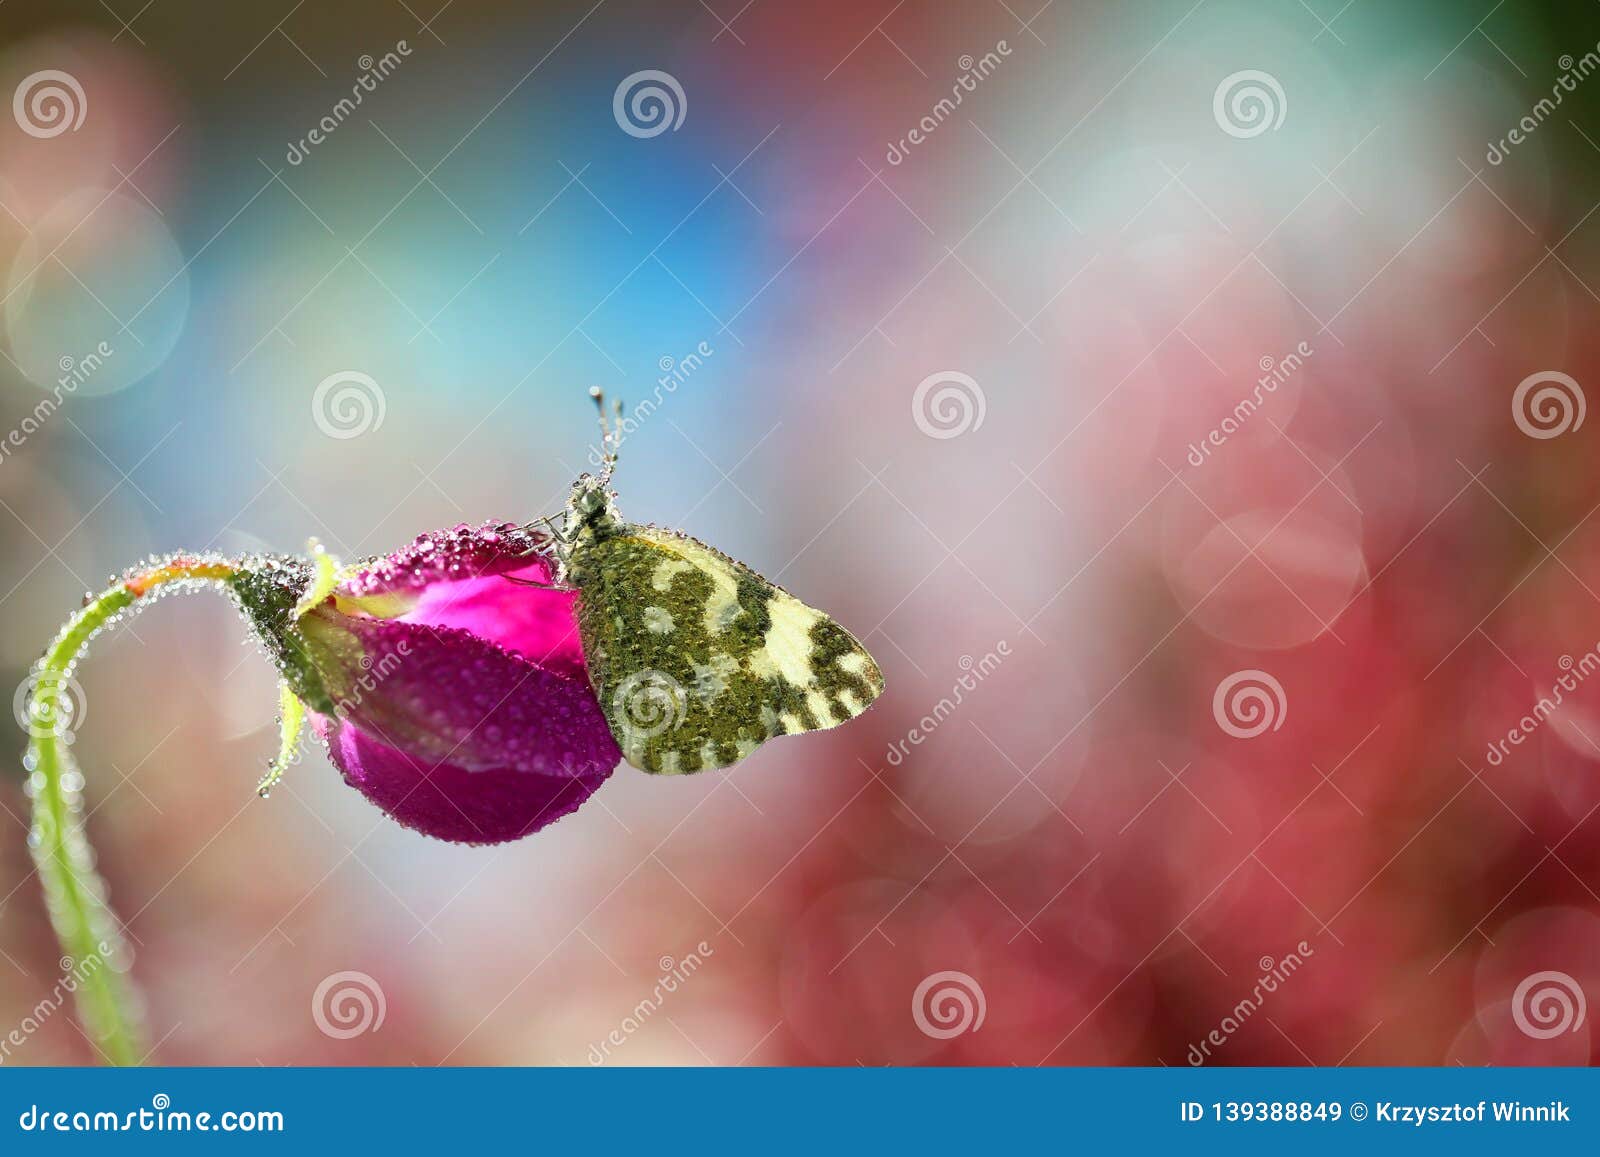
(697, 660)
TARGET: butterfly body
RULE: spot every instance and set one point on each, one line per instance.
(695, 658)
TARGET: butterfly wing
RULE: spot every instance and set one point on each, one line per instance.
(697, 660)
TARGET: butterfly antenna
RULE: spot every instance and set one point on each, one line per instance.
(610, 432)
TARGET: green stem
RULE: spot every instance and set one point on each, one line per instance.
(74, 892)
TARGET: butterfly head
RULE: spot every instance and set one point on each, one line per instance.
(591, 515)
(591, 510)
(591, 507)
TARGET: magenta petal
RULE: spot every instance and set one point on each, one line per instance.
(539, 625)
(463, 577)
(447, 555)
(460, 702)
(445, 800)
(444, 695)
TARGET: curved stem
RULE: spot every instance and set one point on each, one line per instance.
(93, 944)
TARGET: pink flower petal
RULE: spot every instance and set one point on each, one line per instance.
(463, 577)
(445, 800)
(454, 699)
(447, 555)
(444, 695)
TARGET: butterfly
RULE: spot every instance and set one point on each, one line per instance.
(695, 658)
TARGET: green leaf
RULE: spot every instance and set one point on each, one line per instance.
(291, 723)
(269, 595)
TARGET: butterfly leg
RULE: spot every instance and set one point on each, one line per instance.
(522, 582)
(556, 533)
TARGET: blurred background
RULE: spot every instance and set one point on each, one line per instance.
(1184, 402)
